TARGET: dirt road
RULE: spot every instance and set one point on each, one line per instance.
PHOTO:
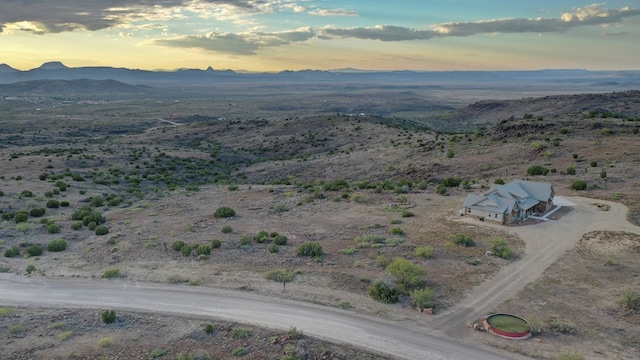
(545, 243)
(398, 339)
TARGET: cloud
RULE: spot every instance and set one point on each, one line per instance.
(594, 14)
(47, 16)
(333, 12)
(238, 44)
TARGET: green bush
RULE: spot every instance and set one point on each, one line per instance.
(407, 213)
(239, 352)
(571, 170)
(396, 231)
(8, 215)
(108, 316)
(537, 170)
(629, 299)
(92, 225)
(76, 225)
(102, 230)
(111, 273)
(407, 274)
(240, 333)
(224, 212)
(34, 250)
(383, 293)
(208, 329)
(26, 193)
(348, 251)
(500, 248)
(423, 298)
(463, 240)
(311, 249)
(57, 245)
(603, 174)
(273, 249)
(185, 250)
(594, 163)
(579, 185)
(30, 268)
(97, 201)
(53, 228)
(216, 243)
(20, 217)
(261, 237)
(12, 252)
(280, 240)
(564, 327)
(177, 245)
(53, 204)
(424, 251)
(203, 250)
(227, 229)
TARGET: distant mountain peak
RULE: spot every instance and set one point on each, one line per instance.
(53, 65)
(6, 68)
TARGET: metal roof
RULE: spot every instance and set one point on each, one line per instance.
(516, 194)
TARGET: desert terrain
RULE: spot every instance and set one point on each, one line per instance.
(361, 175)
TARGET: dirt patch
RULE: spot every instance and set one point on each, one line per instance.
(80, 334)
(575, 305)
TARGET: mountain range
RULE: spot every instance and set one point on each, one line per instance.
(56, 79)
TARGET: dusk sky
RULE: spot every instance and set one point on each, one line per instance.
(275, 35)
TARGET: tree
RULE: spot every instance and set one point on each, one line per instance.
(408, 275)
(423, 298)
(281, 276)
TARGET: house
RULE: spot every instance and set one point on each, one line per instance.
(515, 201)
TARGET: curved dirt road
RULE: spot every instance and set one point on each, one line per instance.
(401, 340)
(545, 242)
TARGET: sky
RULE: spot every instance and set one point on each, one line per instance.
(277, 35)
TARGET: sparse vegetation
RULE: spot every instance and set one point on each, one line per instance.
(463, 240)
(423, 298)
(224, 212)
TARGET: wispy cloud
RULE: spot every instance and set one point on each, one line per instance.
(594, 14)
(333, 12)
(238, 44)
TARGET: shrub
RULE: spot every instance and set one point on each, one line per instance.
(500, 248)
(105, 342)
(240, 352)
(563, 327)
(30, 268)
(20, 217)
(603, 174)
(97, 201)
(396, 231)
(26, 193)
(408, 275)
(108, 316)
(424, 251)
(463, 240)
(571, 170)
(111, 273)
(280, 240)
(273, 248)
(383, 261)
(423, 298)
(227, 229)
(630, 299)
(34, 250)
(295, 334)
(177, 245)
(208, 329)
(312, 249)
(245, 240)
(65, 335)
(240, 333)
(579, 185)
(261, 237)
(215, 243)
(53, 204)
(537, 170)
(102, 230)
(185, 250)
(407, 213)
(156, 353)
(224, 212)
(383, 293)
(8, 215)
(348, 251)
(498, 181)
(92, 225)
(203, 250)
(76, 225)
(57, 245)
(12, 252)
(441, 189)
(53, 228)
(594, 163)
